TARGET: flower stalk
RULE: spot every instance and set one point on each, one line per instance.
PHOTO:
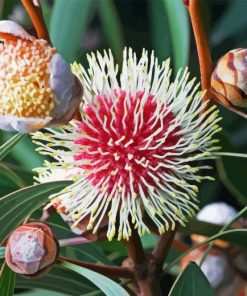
(135, 249)
(37, 18)
(201, 44)
(147, 268)
(110, 271)
(162, 248)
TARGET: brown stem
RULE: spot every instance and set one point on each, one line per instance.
(110, 271)
(201, 44)
(135, 249)
(143, 266)
(37, 18)
(163, 247)
(149, 287)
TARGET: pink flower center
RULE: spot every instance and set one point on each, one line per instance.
(126, 142)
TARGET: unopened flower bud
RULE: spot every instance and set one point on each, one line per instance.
(37, 87)
(31, 250)
(229, 78)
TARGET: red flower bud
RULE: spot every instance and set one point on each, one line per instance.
(31, 250)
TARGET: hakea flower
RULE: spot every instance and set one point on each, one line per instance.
(138, 144)
(37, 87)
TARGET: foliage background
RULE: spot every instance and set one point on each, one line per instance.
(80, 26)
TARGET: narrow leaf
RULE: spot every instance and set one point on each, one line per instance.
(7, 281)
(41, 293)
(2, 252)
(159, 30)
(192, 282)
(26, 147)
(15, 207)
(179, 31)
(7, 147)
(109, 287)
(11, 175)
(111, 25)
(59, 280)
(68, 24)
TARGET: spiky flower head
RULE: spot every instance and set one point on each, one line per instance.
(139, 145)
(37, 87)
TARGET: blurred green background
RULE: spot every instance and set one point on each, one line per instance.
(80, 26)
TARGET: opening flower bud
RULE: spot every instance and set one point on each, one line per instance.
(37, 87)
(31, 250)
(229, 78)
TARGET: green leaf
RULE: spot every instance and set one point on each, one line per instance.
(15, 207)
(59, 280)
(7, 147)
(26, 147)
(13, 178)
(24, 174)
(200, 227)
(231, 171)
(2, 252)
(11, 175)
(40, 293)
(68, 24)
(111, 25)
(179, 31)
(159, 30)
(7, 281)
(192, 282)
(109, 287)
(232, 22)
